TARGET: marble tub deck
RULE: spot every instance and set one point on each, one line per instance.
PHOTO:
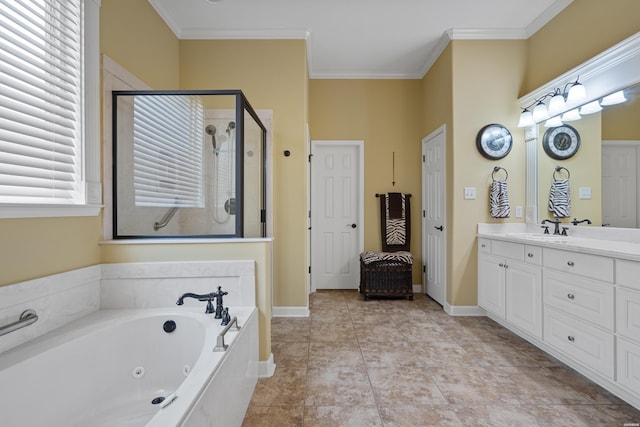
(408, 363)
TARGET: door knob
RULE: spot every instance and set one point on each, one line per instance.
(351, 225)
(439, 228)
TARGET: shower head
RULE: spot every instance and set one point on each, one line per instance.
(211, 130)
(231, 126)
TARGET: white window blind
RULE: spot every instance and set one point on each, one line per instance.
(41, 90)
(168, 145)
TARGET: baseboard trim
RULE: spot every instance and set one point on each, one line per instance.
(290, 312)
(417, 289)
(463, 310)
(266, 368)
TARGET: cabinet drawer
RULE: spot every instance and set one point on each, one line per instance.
(628, 273)
(484, 246)
(508, 250)
(533, 255)
(628, 365)
(628, 314)
(592, 266)
(589, 300)
(583, 343)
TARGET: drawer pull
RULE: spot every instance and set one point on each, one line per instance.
(571, 296)
(501, 265)
(570, 338)
(570, 263)
(530, 255)
(484, 246)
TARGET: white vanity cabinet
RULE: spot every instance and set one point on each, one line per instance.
(628, 324)
(509, 283)
(581, 306)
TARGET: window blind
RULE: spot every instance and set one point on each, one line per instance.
(41, 102)
(168, 135)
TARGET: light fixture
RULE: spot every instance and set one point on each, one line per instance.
(590, 108)
(614, 98)
(553, 122)
(557, 103)
(540, 112)
(577, 93)
(571, 115)
(526, 119)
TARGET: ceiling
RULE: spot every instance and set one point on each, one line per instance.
(360, 38)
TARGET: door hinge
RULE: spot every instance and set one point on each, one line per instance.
(263, 215)
(424, 159)
(309, 269)
(310, 155)
(424, 268)
(424, 214)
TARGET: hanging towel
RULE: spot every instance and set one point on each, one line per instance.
(395, 222)
(560, 198)
(499, 199)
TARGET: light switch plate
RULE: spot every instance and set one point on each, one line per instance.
(585, 192)
(469, 193)
(518, 211)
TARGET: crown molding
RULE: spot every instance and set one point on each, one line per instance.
(166, 17)
(246, 34)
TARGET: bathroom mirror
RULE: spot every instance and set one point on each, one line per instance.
(592, 190)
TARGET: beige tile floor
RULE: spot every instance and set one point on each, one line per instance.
(407, 363)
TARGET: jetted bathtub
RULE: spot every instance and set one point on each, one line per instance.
(133, 368)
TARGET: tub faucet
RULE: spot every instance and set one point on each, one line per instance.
(205, 297)
(556, 223)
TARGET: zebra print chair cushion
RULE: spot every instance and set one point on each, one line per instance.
(369, 257)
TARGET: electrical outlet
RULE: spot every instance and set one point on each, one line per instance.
(469, 193)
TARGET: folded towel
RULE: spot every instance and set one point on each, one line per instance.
(560, 198)
(499, 199)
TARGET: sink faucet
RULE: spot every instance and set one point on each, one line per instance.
(576, 222)
(556, 223)
(204, 297)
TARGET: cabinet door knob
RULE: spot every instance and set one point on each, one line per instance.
(501, 265)
(530, 255)
(570, 296)
(484, 246)
(570, 263)
(570, 338)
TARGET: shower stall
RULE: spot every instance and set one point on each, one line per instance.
(187, 164)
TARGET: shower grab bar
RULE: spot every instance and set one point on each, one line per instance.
(220, 345)
(26, 318)
(165, 219)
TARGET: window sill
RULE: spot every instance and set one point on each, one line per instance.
(47, 211)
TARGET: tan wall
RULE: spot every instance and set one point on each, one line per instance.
(487, 76)
(584, 29)
(273, 75)
(133, 35)
(585, 168)
(437, 102)
(620, 122)
(386, 115)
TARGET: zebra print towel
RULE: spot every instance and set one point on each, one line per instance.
(395, 222)
(499, 199)
(560, 198)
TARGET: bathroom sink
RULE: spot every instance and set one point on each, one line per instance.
(540, 237)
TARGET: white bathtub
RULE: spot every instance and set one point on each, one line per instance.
(106, 369)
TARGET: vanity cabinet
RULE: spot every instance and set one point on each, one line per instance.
(509, 283)
(582, 308)
(628, 324)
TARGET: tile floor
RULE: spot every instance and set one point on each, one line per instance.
(407, 363)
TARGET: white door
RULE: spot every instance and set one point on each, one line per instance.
(619, 185)
(433, 215)
(337, 217)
